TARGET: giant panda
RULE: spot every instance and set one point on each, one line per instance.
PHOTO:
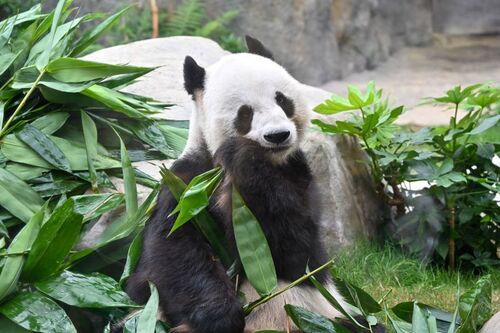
(249, 116)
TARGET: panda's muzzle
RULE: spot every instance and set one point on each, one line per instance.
(277, 137)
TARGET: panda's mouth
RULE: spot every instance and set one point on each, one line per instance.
(278, 148)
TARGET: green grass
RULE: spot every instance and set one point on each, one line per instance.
(381, 270)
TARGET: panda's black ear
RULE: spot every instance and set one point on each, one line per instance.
(256, 47)
(194, 75)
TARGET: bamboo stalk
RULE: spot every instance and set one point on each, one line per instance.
(451, 242)
(154, 19)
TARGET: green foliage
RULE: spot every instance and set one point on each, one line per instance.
(64, 132)
(455, 162)
(188, 18)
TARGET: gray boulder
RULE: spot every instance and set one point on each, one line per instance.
(351, 209)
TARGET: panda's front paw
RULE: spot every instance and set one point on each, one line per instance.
(222, 319)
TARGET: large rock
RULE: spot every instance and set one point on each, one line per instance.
(492, 325)
(459, 17)
(350, 207)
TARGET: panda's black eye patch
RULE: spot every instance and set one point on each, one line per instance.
(285, 103)
(243, 122)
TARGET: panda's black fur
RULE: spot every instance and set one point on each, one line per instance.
(196, 295)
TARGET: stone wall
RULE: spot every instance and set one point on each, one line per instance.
(322, 40)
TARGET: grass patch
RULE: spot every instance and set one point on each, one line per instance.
(380, 269)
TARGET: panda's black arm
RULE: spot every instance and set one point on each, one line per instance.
(193, 287)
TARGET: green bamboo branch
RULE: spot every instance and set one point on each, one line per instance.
(251, 306)
(21, 105)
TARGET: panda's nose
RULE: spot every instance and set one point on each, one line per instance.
(277, 137)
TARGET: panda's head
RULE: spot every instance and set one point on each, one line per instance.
(246, 95)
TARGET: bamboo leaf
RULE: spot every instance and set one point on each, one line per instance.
(43, 59)
(309, 322)
(18, 197)
(147, 319)
(129, 180)
(17, 151)
(38, 313)
(92, 35)
(90, 136)
(50, 123)
(133, 255)
(204, 221)
(252, 247)
(85, 290)
(196, 197)
(13, 265)
(475, 305)
(53, 243)
(73, 70)
(44, 146)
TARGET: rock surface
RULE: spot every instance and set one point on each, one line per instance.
(320, 40)
(492, 325)
(466, 17)
(350, 208)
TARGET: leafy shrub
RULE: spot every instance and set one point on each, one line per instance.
(64, 132)
(456, 214)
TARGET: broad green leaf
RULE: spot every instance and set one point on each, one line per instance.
(44, 146)
(90, 136)
(13, 265)
(475, 306)
(18, 197)
(35, 312)
(486, 124)
(93, 290)
(74, 70)
(358, 297)
(150, 132)
(133, 255)
(335, 104)
(371, 122)
(7, 59)
(146, 322)
(204, 221)
(419, 320)
(355, 97)
(53, 243)
(50, 123)
(252, 247)
(398, 325)
(94, 205)
(15, 150)
(92, 35)
(196, 197)
(9, 326)
(309, 322)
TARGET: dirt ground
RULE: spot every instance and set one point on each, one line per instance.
(413, 73)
